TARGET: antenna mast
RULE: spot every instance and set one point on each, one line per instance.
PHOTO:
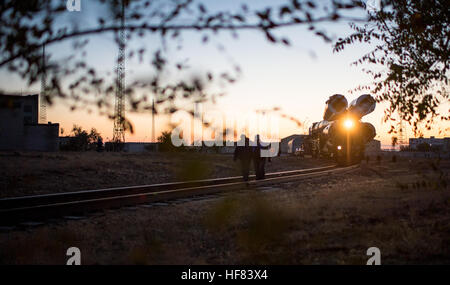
(119, 115)
(403, 136)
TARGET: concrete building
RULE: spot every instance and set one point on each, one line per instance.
(19, 127)
(373, 147)
(442, 144)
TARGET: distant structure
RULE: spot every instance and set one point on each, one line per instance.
(402, 135)
(372, 147)
(119, 114)
(442, 144)
(140, 147)
(292, 143)
(153, 121)
(20, 128)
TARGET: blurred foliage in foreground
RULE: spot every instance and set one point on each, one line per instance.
(411, 39)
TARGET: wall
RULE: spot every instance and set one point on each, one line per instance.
(140, 147)
(11, 129)
(373, 147)
(41, 137)
(443, 144)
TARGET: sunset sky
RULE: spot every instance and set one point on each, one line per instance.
(297, 79)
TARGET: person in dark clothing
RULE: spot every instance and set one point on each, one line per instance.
(244, 153)
(258, 161)
(99, 145)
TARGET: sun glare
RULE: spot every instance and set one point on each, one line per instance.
(348, 124)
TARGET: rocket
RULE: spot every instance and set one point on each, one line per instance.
(341, 134)
(368, 132)
(336, 105)
(337, 108)
(362, 106)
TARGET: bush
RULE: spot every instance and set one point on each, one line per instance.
(82, 140)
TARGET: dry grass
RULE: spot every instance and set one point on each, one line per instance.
(41, 173)
(329, 220)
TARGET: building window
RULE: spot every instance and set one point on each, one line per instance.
(27, 108)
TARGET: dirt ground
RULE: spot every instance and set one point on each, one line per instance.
(42, 173)
(402, 208)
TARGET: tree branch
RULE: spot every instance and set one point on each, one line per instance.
(156, 28)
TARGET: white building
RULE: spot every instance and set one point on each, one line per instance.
(442, 144)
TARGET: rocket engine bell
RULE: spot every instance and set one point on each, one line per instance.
(336, 105)
(362, 106)
(368, 132)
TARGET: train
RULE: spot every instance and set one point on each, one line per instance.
(341, 135)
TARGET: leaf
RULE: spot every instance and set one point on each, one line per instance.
(270, 37)
(202, 8)
(285, 41)
(284, 10)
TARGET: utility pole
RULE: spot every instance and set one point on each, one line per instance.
(153, 121)
(42, 103)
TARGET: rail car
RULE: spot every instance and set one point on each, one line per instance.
(342, 135)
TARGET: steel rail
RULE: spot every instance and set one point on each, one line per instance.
(15, 202)
(55, 205)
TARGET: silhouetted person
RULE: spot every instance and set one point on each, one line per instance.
(378, 159)
(99, 145)
(258, 161)
(244, 154)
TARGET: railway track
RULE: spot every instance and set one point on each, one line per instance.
(20, 209)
